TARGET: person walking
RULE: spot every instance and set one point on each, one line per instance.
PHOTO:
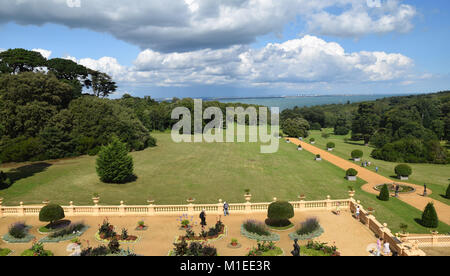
(397, 189)
(386, 249)
(203, 218)
(225, 209)
(357, 212)
(338, 208)
(376, 169)
(379, 240)
(425, 189)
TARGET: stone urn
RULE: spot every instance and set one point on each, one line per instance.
(330, 149)
(351, 193)
(96, 200)
(150, 201)
(301, 197)
(275, 199)
(299, 148)
(248, 197)
(370, 211)
(190, 200)
(351, 178)
(46, 202)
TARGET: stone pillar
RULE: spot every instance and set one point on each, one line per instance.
(151, 207)
(21, 209)
(329, 203)
(434, 238)
(369, 219)
(122, 208)
(219, 207)
(71, 211)
(248, 207)
(384, 231)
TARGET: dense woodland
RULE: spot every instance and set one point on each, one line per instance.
(409, 129)
(57, 108)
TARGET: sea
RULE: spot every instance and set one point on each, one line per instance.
(302, 101)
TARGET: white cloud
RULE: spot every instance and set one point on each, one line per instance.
(187, 25)
(302, 61)
(43, 52)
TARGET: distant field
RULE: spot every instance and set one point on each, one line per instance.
(435, 176)
(171, 173)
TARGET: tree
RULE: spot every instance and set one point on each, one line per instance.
(366, 121)
(296, 127)
(102, 84)
(114, 165)
(70, 72)
(430, 217)
(447, 193)
(20, 60)
(341, 126)
(403, 170)
(51, 213)
(279, 214)
(384, 193)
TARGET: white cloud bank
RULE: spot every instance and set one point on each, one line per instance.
(187, 25)
(308, 60)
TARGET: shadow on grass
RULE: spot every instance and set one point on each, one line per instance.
(26, 171)
(355, 143)
(128, 180)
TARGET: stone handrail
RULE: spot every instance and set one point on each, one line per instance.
(154, 210)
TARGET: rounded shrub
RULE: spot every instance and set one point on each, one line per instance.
(429, 217)
(384, 193)
(331, 145)
(403, 170)
(312, 140)
(357, 154)
(447, 194)
(352, 172)
(51, 213)
(279, 214)
(114, 165)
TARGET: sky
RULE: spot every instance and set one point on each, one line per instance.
(242, 48)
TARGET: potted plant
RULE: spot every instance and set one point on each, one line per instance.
(96, 198)
(351, 174)
(357, 155)
(150, 201)
(234, 244)
(318, 157)
(141, 226)
(312, 141)
(403, 228)
(331, 146)
(76, 241)
(403, 171)
(299, 147)
(190, 200)
(46, 202)
(247, 195)
(302, 197)
(370, 211)
(351, 191)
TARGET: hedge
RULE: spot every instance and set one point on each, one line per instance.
(352, 172)
(403, 170)
(357, 154)
(331, 145)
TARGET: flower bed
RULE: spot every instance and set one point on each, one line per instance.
(70, 233)
(254, 236)
(44, 230)
(183, 248)
(5, 252)
(309, 229)
(266, 249)
(214, 234)
(404, 189)
(130, 239)
(106, 234)
(318, 249)
(18, 233)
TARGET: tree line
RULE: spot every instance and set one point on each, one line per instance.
(402, 129)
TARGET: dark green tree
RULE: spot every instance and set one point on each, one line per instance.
(366, 121)
(51, 213)
(296, 127)
(430, 217)
(102, 84)
(447, 193)
(384, 193)
(20, 60)
(114, 165)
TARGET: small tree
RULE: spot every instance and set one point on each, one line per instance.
(352, 172)
(447, 194)
(357, 154)
(51, 213)
(403, 170)
(279, 214)
(114, 165)
(429, 216)
(384, 193)
(331, 145)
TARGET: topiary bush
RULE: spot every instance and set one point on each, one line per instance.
(384, 193)
(352, 172)
(114, 165)
(279, 213)
(357, 154)
(447, 194)
(403, 170)
(331, 145)
(312, 140)
(429, 217)
(51, 213)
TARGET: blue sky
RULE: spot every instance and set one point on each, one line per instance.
(192, 48)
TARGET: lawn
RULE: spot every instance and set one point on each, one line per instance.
(435, 176)
(170, 173)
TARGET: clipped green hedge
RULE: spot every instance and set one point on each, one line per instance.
(331, 145)
(403, 170)
(357, 154)
(69, 237)
(351, 172)
(429, 217)
(51, 213)
(279, 213)
(447, 194)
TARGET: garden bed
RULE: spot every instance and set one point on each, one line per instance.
(27, 237)
(222, 232)
(66, 237)
(316, 233)
(44, 230)
(265, 249)
(255, 236)
(404, 189)
(129, 240)
(5, 252)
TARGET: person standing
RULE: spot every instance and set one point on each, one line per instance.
(338, 208)
(357, 212)
(425, 189)
(386, 249)
(203, 218)
(376, 169)
(379, 246)
(225, 209)
(397, 189)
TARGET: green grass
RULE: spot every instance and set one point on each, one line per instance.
(435, 176)
(274, 252)
(4, 252)
(312, 253)
(171, 173)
